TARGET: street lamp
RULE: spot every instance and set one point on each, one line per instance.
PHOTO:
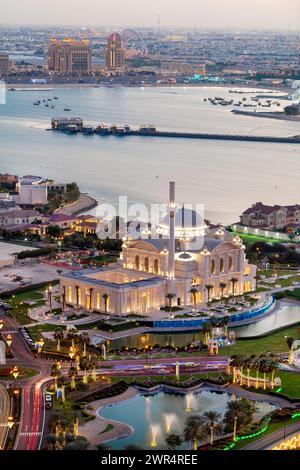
(10, 422)
(15, 372)
(8, 340)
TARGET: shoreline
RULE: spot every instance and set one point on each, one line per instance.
(250, 87)
(83, 204)
(94, 430)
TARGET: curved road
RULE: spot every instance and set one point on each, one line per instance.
(5, 408)
(32, 419)
(274, 437)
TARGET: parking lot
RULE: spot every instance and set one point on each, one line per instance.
(20, 275)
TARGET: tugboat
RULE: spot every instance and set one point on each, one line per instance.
(67, 109)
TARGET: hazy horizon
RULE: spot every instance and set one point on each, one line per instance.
(218, 14)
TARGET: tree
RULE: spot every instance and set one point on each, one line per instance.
(58, 336)
(194, 293)
(194, 430)
(54, 231)
(51, 439)
(212, 419)
(233, 281)
(73, 375)
(173, 441)
(105, 298)
(170, 297)
(240, 411)
(208, 287)
(222, 287)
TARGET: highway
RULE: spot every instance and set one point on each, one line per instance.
(32, 419)
(5, 409)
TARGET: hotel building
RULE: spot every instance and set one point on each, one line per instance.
(70, 56)
(115, 54)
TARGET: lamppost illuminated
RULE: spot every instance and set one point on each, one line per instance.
(15, 372)
(10, 422)
(8, 340)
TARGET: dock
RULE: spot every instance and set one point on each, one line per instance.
(76, 126)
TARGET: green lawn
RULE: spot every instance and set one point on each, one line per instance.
(251, 239)
(274, 343)
(290, 384)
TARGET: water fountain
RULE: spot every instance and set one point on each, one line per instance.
(154, 429)
(169, 421)
(190, 402)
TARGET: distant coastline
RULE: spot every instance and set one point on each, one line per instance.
(83, 204)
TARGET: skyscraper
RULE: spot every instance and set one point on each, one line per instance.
(115, 54)
(69, 56)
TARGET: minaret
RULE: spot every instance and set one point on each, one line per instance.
(172, 230)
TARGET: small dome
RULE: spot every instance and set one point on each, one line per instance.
(188, 224)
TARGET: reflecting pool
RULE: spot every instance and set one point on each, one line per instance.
(285, 316)
(153, 416)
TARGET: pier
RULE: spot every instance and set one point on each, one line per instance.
(76, 125)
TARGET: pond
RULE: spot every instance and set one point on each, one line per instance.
(286, 315)
(151, 415)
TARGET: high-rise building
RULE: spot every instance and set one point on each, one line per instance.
(69, 56)
(115, 53)
(4, 63)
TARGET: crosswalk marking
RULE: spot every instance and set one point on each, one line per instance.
(30, 433)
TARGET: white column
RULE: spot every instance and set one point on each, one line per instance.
(172, 230)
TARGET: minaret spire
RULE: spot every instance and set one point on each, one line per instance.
(171, 229)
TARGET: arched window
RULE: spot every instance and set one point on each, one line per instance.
(156, 266)
(212, 266)
(70, 296)
(147, 264)
(221, 265)
(137, 262)
(230, 263)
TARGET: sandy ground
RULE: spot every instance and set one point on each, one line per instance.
(84, 203)
(94, 430)
(32, 273)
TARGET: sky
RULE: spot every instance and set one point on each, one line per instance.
(238, 14)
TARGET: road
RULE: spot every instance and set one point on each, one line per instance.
(32, 419)
(273, 438)
(5, 409)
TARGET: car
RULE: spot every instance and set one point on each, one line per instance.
(48, 405)
(48, 398)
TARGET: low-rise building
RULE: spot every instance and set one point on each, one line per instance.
(20, 218)
(271, 217)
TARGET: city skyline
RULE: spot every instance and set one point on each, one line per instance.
(260, 14)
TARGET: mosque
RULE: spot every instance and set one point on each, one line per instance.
(170, 269)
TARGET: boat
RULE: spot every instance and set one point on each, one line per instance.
(55, 97)
(67, 109)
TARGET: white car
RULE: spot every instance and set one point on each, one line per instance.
(48, 398)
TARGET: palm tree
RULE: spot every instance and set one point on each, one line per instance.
(222, 287)
(206, 330)
(58, 335)
(194, 430)
(208, 287)
(170, 297)
(257, 370)
(194, 293)
(72, 335)
(173, 441)
(73, 375)
(55, 372)
(105, 298)
(233, 281)
(239, 412)
(84, 340)
(51, 439)
(212, 419)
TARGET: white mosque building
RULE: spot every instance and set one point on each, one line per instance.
(151, 273)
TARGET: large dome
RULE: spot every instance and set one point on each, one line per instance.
(188, 224)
